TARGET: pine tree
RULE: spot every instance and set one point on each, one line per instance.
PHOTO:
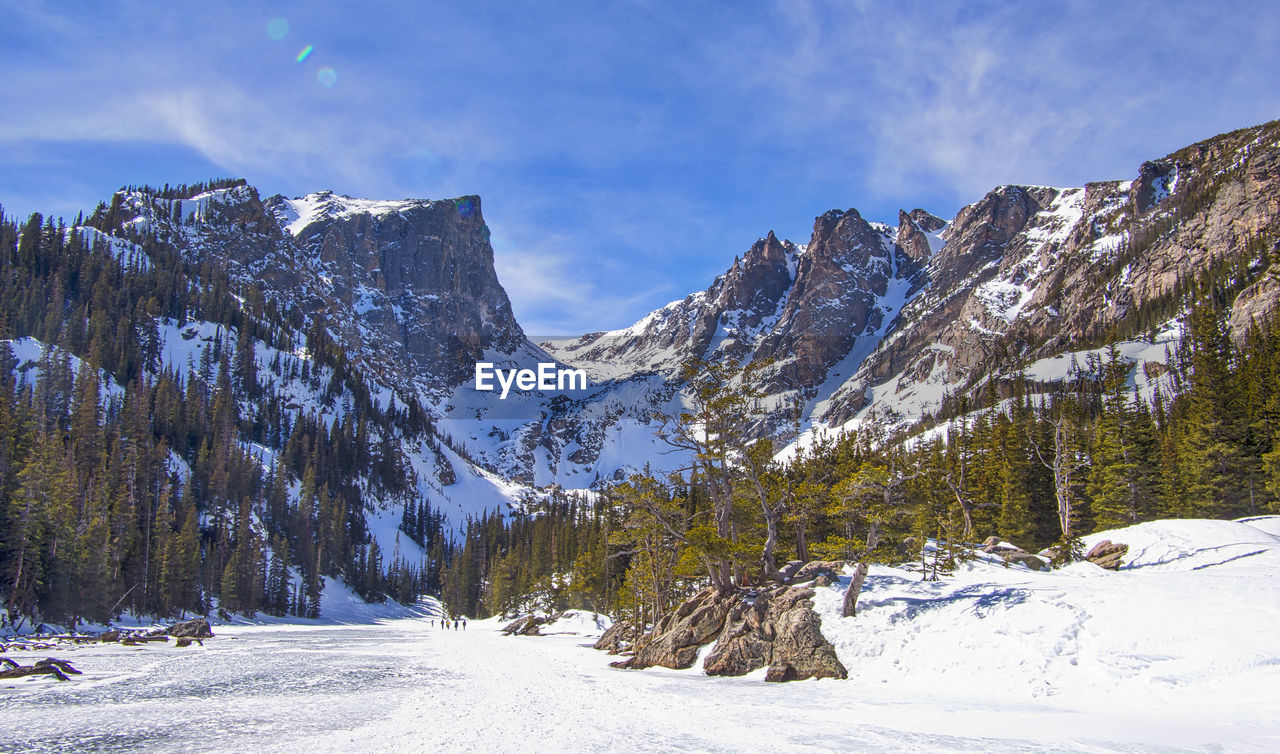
(1014, 522)
(1119, 487)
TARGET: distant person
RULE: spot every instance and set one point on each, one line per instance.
(464, 624)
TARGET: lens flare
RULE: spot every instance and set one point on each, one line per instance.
(278, 28)
(327, 77)
(306, 51)
(466, 207)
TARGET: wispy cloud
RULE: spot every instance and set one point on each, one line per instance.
(944, 99)
(554, 296)
(625, 151)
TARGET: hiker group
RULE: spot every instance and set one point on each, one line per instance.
(445, 622)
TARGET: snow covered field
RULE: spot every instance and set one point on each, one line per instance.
(1178, 651)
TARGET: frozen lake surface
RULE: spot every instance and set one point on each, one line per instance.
(1176, 652)
(403, 686)
(245, 688)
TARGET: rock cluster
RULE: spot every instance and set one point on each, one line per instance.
(772, 628)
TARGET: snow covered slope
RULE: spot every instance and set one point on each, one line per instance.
(1188, 621)
(1177, 651)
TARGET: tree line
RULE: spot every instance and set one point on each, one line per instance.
(1037, 465)
(131, 484)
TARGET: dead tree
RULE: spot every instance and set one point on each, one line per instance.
(1062, 465)
(887, 489)
(860, 574)
(60, 669)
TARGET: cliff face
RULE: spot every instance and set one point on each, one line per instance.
(408, 288)
(416, 274)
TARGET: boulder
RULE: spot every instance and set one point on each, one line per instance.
(824, 579)
(790, 569)
(616, 639)
(777, 629)
(800, 651)
(529, 625)
(675, 641)
(196, 628)
(1034, 562)
(813, 569)
(997, 546)
(109, 636)
(1107, 554)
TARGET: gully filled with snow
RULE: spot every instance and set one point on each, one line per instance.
(1176, 651)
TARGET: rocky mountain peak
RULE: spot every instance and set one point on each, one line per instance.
(913, 230)
(842, 236)
(926, 221)
(758, 282)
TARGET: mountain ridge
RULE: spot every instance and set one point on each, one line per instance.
(866, 324)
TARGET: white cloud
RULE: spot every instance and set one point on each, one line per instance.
(628, 151)
(554, 295)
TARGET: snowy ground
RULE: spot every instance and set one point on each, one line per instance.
(1178, 651)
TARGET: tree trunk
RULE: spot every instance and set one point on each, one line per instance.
(855, 586)
(860, 573)
(767, 560)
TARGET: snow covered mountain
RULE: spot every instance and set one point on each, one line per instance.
(871, 325)
(866, 324)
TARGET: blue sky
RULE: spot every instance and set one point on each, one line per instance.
(624, 151)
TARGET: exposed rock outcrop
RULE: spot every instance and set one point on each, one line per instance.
(196, 628)
(775, 628)
(1256, 305)
(815, 569)
(1107, 554)
(675, 641)
(912, 230)
(790, 569)
(1014, 554)
(617, 639)
(419, 274)
(1034, 562)
(60, 669)
(529, 625)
